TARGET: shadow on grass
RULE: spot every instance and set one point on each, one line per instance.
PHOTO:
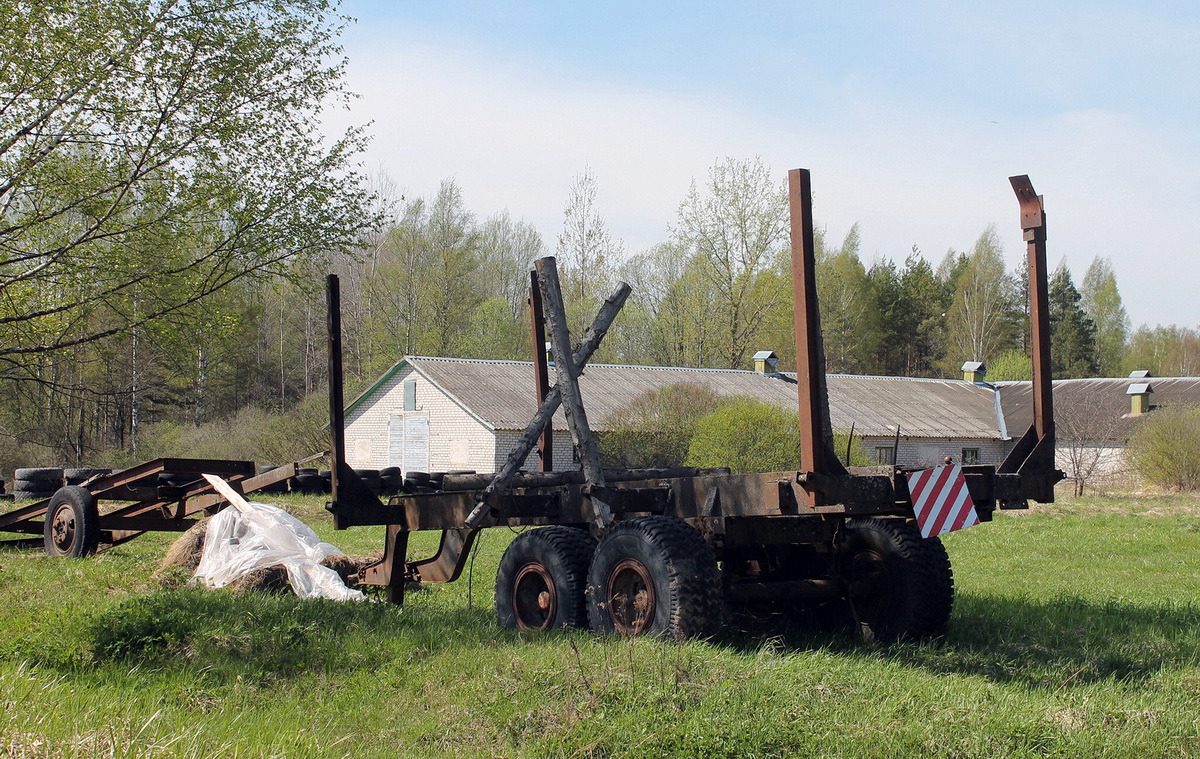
(1046, 644)
(1053, 643)
(226, 636)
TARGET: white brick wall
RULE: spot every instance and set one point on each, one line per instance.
(931, 451)
(564, 451)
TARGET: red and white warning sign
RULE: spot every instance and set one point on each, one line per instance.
(941, 501)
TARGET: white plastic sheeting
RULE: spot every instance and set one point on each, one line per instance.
(252, 536)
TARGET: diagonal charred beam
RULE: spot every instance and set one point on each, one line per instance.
(591, 341)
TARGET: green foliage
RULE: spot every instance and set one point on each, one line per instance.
(911, 304)
(1102, 302)
(153, 153)
(984, 316)
(746, 435)
(656, 428)
(251, 434)
(1165, 448)
(1010, 365)
(1170, 351)
(735, 230)
(586, 254)
(1072, 332)
(849, 309)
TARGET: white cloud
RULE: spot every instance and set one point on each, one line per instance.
(515, 134)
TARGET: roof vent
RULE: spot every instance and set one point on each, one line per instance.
(974, 371)
(1139, 398)
(765, 361)
(1139, 374)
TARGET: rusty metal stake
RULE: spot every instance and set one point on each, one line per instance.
(816, 433)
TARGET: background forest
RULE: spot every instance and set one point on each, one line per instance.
(170, 202)
(241, 372)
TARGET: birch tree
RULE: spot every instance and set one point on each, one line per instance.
(1102, 302)
(152, 152)
(736, 226)
(981, 321)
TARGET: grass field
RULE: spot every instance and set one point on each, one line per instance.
(1076, 632)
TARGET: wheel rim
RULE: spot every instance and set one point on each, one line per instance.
(534, 600)
(868, 589)
(62, 529)
(631, 600)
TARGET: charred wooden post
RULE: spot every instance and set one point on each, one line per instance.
(568, 381)
(541, 374)
(516, 457)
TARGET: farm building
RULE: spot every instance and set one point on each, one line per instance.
(463, 414)
(1095, 417)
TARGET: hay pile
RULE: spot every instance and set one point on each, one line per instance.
(181, 560)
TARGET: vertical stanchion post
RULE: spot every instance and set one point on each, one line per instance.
(541, 372)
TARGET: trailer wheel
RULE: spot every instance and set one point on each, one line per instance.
(72, 527)
(541, 579)
(655, 575)
(897, 584)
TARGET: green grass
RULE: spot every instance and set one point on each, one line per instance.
(1076, 632)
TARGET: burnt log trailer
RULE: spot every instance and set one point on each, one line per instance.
(667, 552)
(161, 495)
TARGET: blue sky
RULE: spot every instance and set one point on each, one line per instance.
(911, 117)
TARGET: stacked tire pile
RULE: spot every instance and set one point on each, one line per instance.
(382, 482)
(41, 482)
(36, 483)
(308, 481)
(80, 476)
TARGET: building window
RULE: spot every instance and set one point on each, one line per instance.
(885, 454)
(410, 395)
(970, 456)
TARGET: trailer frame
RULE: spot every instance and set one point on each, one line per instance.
(825, 534)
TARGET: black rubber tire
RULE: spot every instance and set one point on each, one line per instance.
(391, 471)
(36, 485)
(669, 570)
(392, 484)
(76, 476)
(310, 484)
(418, 477)
(32, 495)
(72, 526)
(898, 585)
(39, 474)
(542, 577)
